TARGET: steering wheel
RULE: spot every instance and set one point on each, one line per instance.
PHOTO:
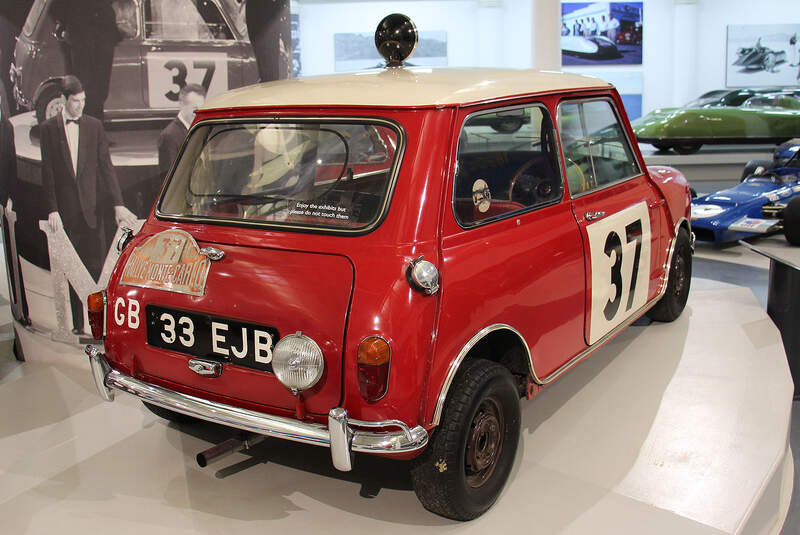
(581, 175)
(535, 187)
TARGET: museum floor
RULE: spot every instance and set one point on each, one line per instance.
(77, 465)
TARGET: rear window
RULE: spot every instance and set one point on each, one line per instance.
(306, 174)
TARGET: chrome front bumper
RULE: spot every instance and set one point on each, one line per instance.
(342, 434)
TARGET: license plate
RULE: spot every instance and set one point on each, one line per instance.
(211, 337)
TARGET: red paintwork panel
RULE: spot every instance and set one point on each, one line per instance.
(288, 290)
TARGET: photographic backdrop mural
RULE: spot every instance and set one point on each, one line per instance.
(763, 55)
(91, 157)
(356, 51)
(601, 33)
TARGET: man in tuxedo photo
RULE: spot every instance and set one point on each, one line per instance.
(78, 179)
(190, 97)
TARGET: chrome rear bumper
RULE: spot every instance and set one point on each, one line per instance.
(342, 434)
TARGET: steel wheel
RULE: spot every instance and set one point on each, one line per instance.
(484, 442)
(466, 464)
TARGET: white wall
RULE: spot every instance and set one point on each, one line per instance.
(483, 33)
(683, 52)
(667, 42)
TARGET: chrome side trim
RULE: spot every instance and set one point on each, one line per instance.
(451, 373)
(339, 435)
(573, 361)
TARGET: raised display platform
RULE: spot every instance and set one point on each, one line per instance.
(712, 163)
(671, 428)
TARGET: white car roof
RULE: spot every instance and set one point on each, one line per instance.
(404, 87)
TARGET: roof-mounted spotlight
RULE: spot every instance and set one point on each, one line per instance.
(396, 39)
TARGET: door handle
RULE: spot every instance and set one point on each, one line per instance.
(591, 216)
(156, 48)
(656, 204)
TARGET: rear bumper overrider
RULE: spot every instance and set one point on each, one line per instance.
(342, 435)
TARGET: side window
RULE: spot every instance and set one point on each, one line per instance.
(185, 20)
(596, 151)
(507, 161)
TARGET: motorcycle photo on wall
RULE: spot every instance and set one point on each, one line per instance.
(102, 95)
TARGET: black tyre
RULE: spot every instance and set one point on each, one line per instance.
(687, 148)
(662, 146)
(48, 102)
(19, 354)
(791, 221)
(756, 167)
(466, 464)
(167, 414)
(674, 299)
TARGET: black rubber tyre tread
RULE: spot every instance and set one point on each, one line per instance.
(753, 164)
(662, 146)
(441, 488)
(687, 148)
(791, 221)
(167, 414)
(671, 304)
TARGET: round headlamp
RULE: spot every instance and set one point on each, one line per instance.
(297, 362)
(702, 211)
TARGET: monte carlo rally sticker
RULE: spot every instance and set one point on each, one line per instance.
(170, 261)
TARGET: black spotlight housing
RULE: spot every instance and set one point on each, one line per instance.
(396, 39)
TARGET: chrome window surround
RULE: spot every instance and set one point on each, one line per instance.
(624, 131)
(508, 215)
(456, 363)
(266, 118)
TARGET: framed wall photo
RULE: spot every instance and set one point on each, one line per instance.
(763, 55)
(356, 51)
(601, 33)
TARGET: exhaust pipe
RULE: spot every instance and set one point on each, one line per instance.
(232, 445)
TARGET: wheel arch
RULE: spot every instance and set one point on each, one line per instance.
(499, 343)
(52, 81)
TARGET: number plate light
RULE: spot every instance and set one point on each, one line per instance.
(297, 362)
(96, 305)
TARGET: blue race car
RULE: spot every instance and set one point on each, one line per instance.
(766, 201)
(783, 153)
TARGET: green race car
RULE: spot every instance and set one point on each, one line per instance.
(726, 116)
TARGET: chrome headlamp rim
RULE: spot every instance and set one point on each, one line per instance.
(423, 276)
(277, 361)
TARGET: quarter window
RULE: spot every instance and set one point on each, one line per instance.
(185, 20)
(596, 151)
(506, 163)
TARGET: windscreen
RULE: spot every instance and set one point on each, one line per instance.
(328, 175)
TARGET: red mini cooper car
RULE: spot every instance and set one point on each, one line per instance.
(385, 262)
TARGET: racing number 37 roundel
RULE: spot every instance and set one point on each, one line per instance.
(619, 246)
